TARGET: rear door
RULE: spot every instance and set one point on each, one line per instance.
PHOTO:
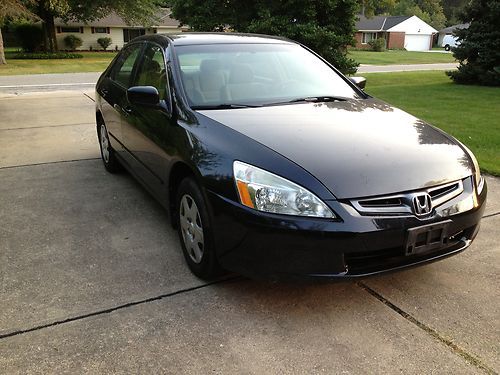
(114, 91)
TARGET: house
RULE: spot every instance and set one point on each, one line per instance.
(114, 27)
(449, 31)
(408, 32)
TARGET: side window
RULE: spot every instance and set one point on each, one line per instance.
(122, 71)
(152, 71)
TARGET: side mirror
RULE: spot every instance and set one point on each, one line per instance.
(359, 81)
(146, 96)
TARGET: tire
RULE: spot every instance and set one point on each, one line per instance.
(108, 155)
(194, 229)
(447, 47)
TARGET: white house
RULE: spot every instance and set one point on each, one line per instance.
(114, 27)
(408, 32)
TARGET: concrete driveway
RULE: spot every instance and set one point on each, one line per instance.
(93, 280)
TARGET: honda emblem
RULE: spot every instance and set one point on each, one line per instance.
(422, 204)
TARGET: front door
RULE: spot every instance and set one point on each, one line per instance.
(147, 130)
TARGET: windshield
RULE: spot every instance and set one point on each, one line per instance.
(235, 75)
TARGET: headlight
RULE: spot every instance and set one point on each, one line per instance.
(264, 191)
(478, 179)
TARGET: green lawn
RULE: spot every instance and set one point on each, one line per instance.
(470, 113)
(91, 62)
(392, 57)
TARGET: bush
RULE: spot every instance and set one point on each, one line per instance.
(46, 56)
(30, 36)
(377, 45)
(72, 42)
(104, 42)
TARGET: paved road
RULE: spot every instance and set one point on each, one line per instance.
(86, 81)
(93, 280)
(405, 68)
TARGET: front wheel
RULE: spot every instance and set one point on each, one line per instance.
(447, 47)
(195, 231)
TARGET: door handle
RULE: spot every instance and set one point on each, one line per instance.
(128, 110)
(104, 92)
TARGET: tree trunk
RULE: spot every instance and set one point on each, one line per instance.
(48, 27)
(2, 54)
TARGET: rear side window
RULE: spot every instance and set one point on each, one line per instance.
(122, 71)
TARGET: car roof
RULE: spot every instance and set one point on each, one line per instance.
(194, 38)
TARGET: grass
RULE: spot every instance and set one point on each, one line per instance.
(469, 113)
(91, 62)
(392, 57)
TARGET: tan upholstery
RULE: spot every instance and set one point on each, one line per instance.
(211, 79)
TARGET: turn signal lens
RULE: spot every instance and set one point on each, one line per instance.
(265, 191)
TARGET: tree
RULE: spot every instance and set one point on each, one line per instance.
(370, 8)
(452, 10)
(479, 49)
(14, 9)
(132, 11)
(326, 26)
(430, 11)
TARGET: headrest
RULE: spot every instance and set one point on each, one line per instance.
(210, 65)
(240, 73)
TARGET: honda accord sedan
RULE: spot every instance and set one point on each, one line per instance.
(274, 165)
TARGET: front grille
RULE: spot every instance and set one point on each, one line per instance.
(402, 204)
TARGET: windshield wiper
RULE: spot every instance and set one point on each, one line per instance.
(225, 106)
(314, 99)
(319, 99)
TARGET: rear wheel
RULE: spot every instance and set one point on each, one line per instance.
(108, 156)
(195, 231)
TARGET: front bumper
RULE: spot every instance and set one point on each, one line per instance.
(261, 245)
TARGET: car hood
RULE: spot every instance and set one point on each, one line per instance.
(356, 148)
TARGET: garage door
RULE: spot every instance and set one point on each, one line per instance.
(417, 42)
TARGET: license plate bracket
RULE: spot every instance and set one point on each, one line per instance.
(426, 238)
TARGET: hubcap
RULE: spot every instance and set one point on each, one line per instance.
(191, 228)
(104, 143)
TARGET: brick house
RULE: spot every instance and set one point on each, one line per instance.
(408, 32)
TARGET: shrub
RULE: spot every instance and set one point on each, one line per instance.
(30, 36)
(46, 55)
(104, 42)
(377, 45)
(72, 42)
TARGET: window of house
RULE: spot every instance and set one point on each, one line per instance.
(368, 37)
(129, 34)
(101, 30)
(69, 29)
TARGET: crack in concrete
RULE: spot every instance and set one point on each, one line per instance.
(46, 163)
(88, 96)
(116, 308)
(470, 358)
(48, 126)
(491, 215)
